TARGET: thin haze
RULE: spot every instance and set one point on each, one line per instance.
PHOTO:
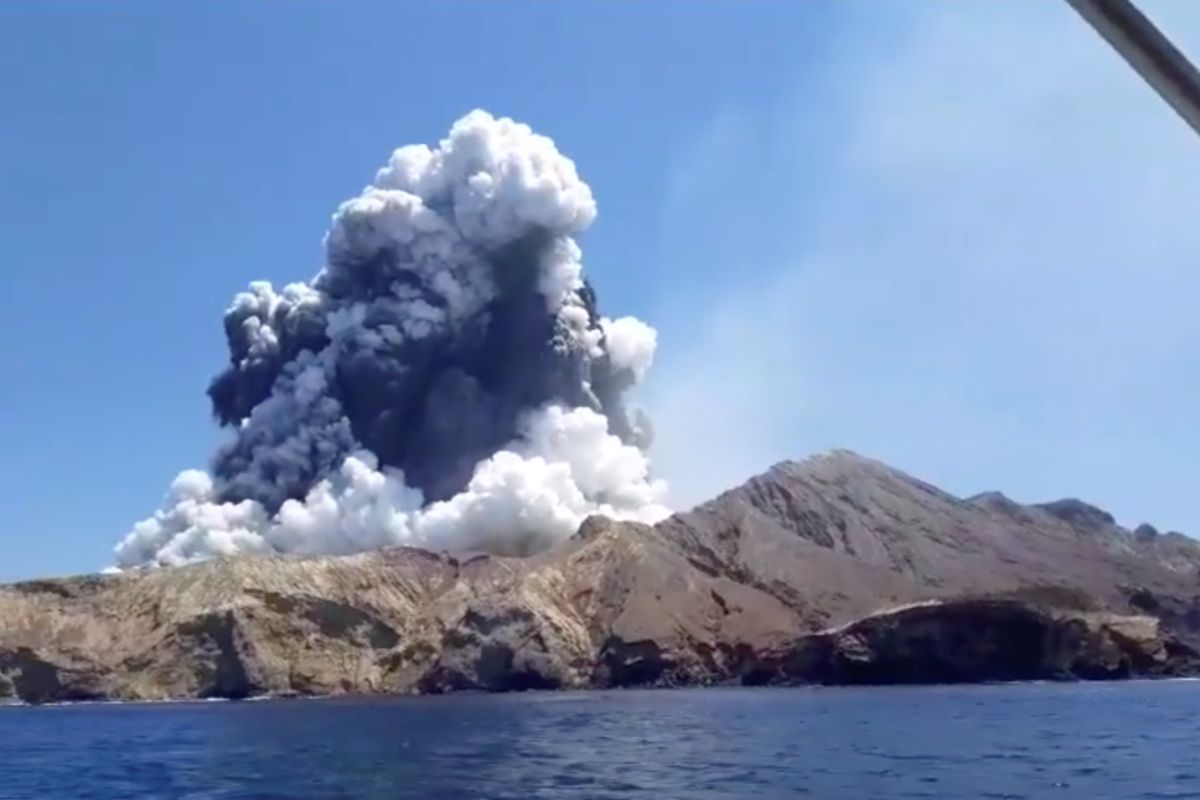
(956, 237)
(993, 275)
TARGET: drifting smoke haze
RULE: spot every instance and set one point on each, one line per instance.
(445, 380)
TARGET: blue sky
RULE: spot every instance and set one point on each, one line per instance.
(958, 237)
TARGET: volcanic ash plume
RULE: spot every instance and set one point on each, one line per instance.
(444, 381)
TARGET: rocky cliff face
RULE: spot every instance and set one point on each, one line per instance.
(834, 570)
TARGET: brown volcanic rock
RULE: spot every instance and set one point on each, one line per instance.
(396, 621)
(780, 580)
(839, 536)
(976, 640)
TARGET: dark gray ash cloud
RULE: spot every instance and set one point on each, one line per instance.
(445, 380)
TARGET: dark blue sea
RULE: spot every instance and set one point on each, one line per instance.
(1130, 740)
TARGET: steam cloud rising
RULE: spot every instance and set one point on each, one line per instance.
(444, 381)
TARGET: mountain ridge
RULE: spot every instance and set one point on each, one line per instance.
(836, 568)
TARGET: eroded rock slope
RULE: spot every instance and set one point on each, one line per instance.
(833, 570)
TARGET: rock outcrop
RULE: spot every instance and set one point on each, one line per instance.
(977, 640)
(833, 570)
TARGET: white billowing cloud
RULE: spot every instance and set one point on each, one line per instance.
(191, 526)
(524, 498)
(501, 176)
(358, 508)
(615, 476)
(630, 343)
(565, 467)
(980, 267)
(513, 505)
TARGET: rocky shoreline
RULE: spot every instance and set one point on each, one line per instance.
(837, 570)
(967, 641)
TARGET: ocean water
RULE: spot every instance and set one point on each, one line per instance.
(1121, 740)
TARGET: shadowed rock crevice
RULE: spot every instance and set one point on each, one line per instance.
(28, 678)
(631, 664)
(221, 670)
